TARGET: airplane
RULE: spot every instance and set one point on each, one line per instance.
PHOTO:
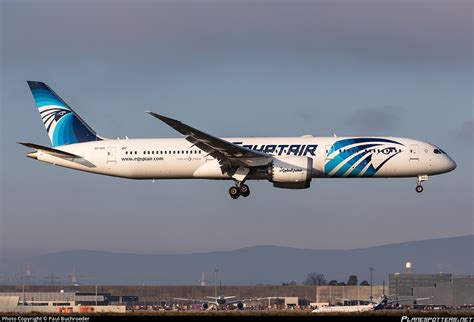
(287, 162)
(367, 306)
(218, 302)
(346, 308)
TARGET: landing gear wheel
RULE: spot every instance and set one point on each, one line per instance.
(234, 192)
(244, 190)
(419, 180)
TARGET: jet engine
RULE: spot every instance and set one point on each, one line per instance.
(205, 306)
(240, 306)
(290, 172)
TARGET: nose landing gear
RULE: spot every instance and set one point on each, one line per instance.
(240, 189)
(420, 179)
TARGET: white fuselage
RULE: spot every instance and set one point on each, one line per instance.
(346, 308)
(179, 159)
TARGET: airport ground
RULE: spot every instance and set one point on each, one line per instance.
(159, 300)
(156, 294)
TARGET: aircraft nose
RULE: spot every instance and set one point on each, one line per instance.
(451, 165)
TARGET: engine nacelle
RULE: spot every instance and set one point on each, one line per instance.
(290, 172)
(240, 306)
(205, 306)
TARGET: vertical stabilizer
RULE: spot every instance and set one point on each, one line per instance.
(63, 125)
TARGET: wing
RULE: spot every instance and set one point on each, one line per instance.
(240, 301)
(192, 300)
(229, 155)
(408, 300)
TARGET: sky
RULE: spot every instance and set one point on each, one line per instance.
(235, 68)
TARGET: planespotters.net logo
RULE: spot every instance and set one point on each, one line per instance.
(436, 319)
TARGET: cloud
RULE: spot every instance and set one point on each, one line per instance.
(375, 120)
(387, 32)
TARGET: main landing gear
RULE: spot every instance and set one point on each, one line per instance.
(240, 189)
(420, 179)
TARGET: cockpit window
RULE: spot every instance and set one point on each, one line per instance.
(437, 151)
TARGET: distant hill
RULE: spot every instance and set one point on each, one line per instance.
(258, 264)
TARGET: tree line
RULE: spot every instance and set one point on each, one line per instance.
(320, 280)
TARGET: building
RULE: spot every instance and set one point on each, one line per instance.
(57, 302)
(165, 294)
(68, 298)
(441, 289)
(337, 293)
(159, 294)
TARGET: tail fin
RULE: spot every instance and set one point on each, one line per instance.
(63, 125)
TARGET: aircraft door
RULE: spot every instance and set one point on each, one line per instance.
(414, 153)
(111, 155)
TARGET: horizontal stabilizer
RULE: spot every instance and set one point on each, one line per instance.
(50, 151)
